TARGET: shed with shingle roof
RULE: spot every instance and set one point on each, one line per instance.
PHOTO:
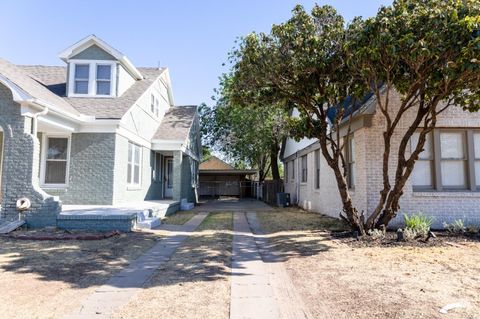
(218, 178)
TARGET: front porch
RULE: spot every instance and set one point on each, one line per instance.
(112, 217)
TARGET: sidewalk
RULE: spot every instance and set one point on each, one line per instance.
(123, 286)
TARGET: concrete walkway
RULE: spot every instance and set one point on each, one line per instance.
(260, 286)
(123, 286)
(251, 292)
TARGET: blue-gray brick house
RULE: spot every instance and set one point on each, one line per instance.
(96, 131)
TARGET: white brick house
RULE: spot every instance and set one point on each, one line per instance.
(445, 183)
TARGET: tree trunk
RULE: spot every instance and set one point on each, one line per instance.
(274, 162)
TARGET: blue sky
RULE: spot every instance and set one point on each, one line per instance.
(192, 38)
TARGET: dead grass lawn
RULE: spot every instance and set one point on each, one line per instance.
(46, 279)
(338, 281)
(195, 283)
(179, 218)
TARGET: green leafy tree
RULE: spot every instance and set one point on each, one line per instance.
(425, 50)
(249, 135)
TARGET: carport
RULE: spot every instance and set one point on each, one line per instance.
(218, 178)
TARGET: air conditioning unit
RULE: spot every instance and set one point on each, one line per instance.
(283, 199)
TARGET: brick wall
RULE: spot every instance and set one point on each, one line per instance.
(148, 190)
(90, 182)
(443, 206)
(21, 156)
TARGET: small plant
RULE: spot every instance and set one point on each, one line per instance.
(417, 225)
(376, 234)
(410, 234)
(473, 229)
(457, 227)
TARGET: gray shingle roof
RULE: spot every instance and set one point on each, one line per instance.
(176, 123)
(54, 79)
(21, 78)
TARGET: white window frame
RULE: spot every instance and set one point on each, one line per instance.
(285, 169)
(152, 103)
(103, 80)
(43, 164)
(304, 169)
(132, 184)
(350, 158)
(316, 156)
(157, 108)
(92, 80)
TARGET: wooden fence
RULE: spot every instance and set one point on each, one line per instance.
(267, 191)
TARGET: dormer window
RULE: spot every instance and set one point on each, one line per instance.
(104, 79)
(92, 78)
(81, 78)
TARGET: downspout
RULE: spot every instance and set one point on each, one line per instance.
(297, 178)
(35, 120)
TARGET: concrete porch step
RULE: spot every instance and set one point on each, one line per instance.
(149, 223)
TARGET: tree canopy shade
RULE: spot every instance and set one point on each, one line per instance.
(250, 135)
(427, 51)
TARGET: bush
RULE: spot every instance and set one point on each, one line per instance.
(417, 225)
(473, 229)
(376, 234)
(457, 227)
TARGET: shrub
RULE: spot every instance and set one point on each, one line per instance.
(417, 225)
(376, 234)
(473, 229)
(458, 226)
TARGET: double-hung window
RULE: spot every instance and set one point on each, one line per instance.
(286, 171)
(304, 169)
(55, 170)
(476, 152)
(92, 78)
(293, 169)
(453, 159)
(317, 169)
(134, 164)
(81, 78)
(152, 104)
(422, 175)
(350, 159)
(450, 161)
(157, 109)
(104, 79)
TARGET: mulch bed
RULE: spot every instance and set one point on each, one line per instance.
(61, 235)
(442, 239)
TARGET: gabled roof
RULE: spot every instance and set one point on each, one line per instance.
(176, 124)
(215, 166)
(34, 89)
(214, 163)
(54, 79)
(92, 39)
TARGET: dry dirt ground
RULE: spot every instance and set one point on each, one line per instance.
(195, 282)
(337, 280)
(46, 279)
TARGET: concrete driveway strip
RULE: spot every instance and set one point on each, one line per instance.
(252, 295)
(124, 285)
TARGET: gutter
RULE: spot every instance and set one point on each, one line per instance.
(35, 120)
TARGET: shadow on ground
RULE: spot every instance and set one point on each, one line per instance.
(79, 263)
(204, 256)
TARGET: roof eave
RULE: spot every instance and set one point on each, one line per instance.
(92, 39)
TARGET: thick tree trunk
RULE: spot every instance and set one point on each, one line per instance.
(350, 212)
(274, 162)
